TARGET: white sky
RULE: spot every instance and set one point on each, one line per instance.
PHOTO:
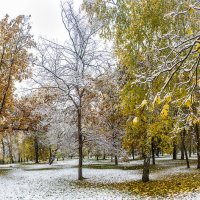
(45, 16)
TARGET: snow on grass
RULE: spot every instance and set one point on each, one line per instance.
(40, 182)
(56, 182)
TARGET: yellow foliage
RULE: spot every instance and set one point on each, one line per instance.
(157, 100)
(165, 111)
(189, 31)
(168, 98)
(191, 10)
(144, 102)
(188, 102)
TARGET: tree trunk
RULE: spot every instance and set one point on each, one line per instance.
(3, 150)
(116, 160)
(104, 155)
(184, 148)
(198, 145)
(19, 158)
(174, 151)
(182, 151)
(153, 150)
(80, 146)
(190, 145)
(36, 149)
(50, 154)
(133, 154)
(10, 153)
(145, 175)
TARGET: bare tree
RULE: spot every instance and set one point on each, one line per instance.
(72, 67)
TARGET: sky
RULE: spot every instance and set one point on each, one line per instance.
(45, 16)
(45, 21)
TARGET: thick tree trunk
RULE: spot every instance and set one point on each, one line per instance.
(145, 175)
(153, 150)
(198, 145)
(36, 146)
(174, 151)
(116, 160)
(80, 146)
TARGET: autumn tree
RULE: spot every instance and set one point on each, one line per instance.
(15, 41)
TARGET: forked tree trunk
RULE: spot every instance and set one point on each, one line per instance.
(145, 175)
(198, 145)
(80, 146)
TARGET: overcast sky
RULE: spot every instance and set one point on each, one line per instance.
(45, 15)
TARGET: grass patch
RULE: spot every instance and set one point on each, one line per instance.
(123, 167)
(42, 169)
(4, 172)
(168, 187)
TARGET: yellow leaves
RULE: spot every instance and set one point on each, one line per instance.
(197, 47)
(191, 10)
(165, 111)
(157, 100)
(144, 102)
(189, 31)
(168, 98)
(188, 102)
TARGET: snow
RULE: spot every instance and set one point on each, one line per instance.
(44, 182)
(57, 182)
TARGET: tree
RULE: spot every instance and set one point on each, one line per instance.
(70, 68)
(152, 44)
(15, 41)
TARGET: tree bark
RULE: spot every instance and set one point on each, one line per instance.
(184, 148)
(182, 151)
(50, 154)
(3, 150)
(133, 154)
(116, 160)
(10, 153)
(80, 146)
(198, 145)
(153, 150)
(145, 175)
(36, 149)
(104, 155)
(174, 151)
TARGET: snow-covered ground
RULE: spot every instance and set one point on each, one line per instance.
(56, 182)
